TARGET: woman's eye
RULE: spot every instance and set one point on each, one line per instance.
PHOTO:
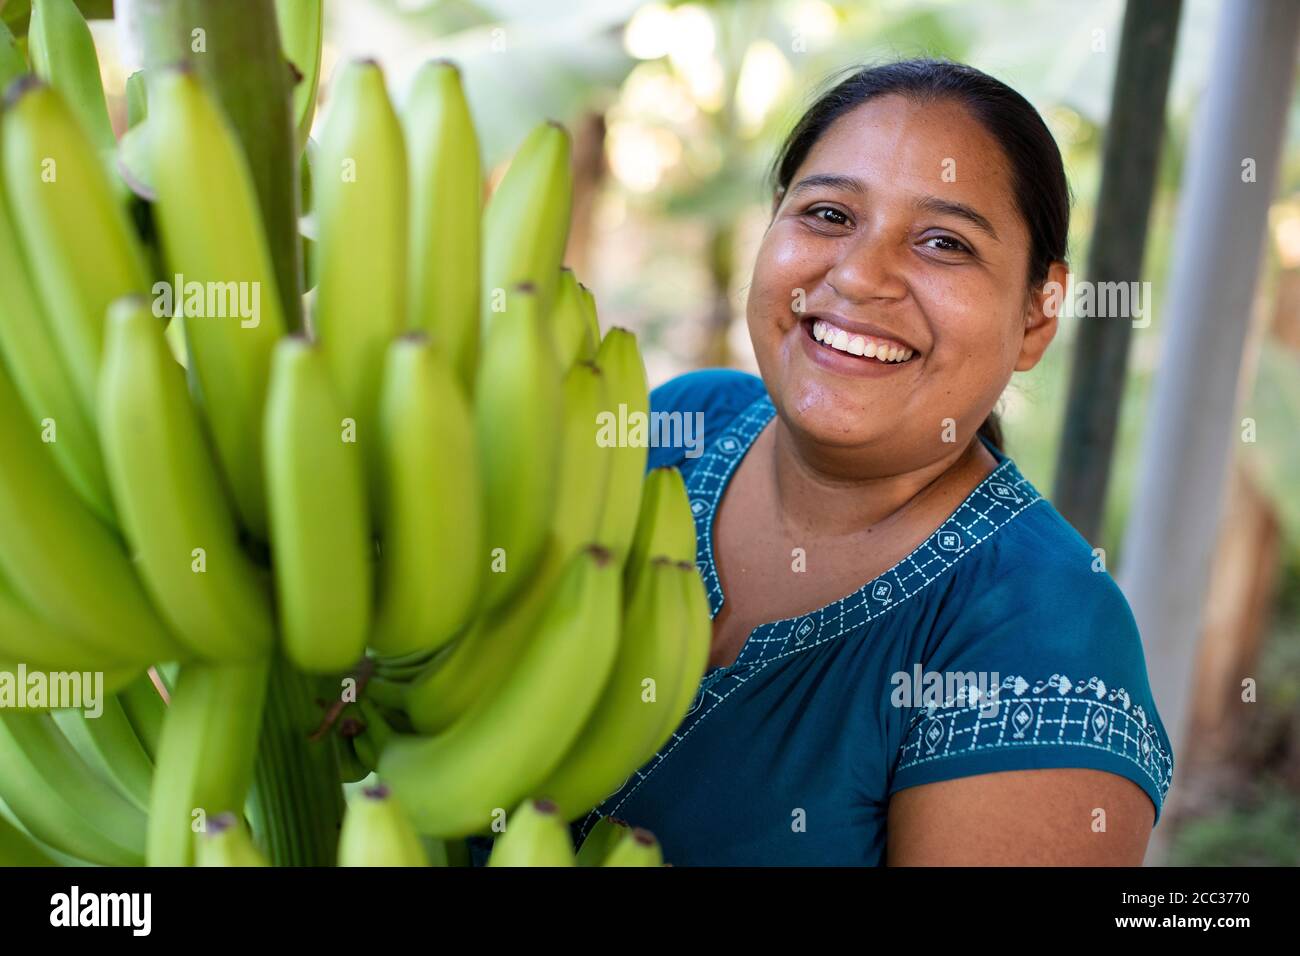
(830, 215)
(947, 244)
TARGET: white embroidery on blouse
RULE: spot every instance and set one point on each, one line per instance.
(1052, 711)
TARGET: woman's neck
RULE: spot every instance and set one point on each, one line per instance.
(834, 491)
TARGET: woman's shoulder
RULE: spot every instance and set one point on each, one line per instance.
(1041, 621)
(1039, 572)
(698, 405)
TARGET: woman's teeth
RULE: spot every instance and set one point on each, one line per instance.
(843, 341)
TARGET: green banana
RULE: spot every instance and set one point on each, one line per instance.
(569, 324)
(320, 528)
(75, 235)
(226, 842)
(302, 30)
(61, 800)
(64, 564)
(173, 509)
(109, 744)
(698, 633)
(599, 839)
(665, 525)
(526, 223)
(26, 637)
(63, 54)
(205, 756)
(12, 62)
(629, 395)
(535, 835)
(360, 197)
(478, 662)
(592, 339)
(584, 465)
(507, 743)
(635, 847)
(446, 218)
(518, 409)
(42, 378)
(377, 832)
(619, 735)
(431, 515)
(19, 849)
(213, 239)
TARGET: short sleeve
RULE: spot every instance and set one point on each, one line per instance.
(697, 405)
(1041, 667)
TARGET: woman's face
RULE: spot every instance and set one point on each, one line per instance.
(899, 235)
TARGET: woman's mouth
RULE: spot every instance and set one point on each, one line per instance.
(867, 349)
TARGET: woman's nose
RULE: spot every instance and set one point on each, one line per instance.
(868, 268)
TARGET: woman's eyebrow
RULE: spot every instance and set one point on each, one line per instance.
(849, 184)
(947, 207)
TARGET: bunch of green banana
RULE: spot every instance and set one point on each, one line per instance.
(429, 493)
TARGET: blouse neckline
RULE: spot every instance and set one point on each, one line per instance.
(998, 498)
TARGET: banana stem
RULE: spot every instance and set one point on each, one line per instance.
(235, 46)
(297, 803)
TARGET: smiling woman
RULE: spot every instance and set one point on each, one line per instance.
(915, 658)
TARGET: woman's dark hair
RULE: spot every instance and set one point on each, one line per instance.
(1038, 175)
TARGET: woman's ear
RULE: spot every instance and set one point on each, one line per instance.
(1042, 314)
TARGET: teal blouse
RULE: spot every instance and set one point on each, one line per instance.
(997, 644)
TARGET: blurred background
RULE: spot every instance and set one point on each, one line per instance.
(677, 110)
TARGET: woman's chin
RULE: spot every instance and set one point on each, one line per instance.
(834, 416)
